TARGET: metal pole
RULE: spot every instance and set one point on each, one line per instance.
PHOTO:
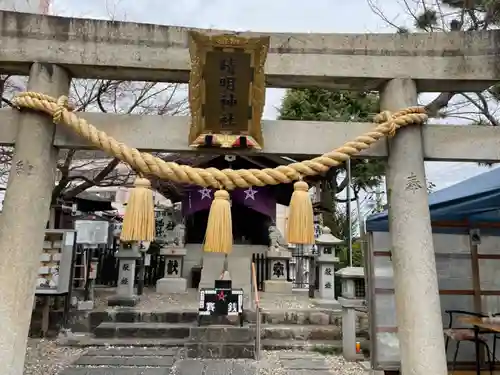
(67, 300)
(312, 276)
(140, 281)
(362, 234)
(299, 267)
(257, 332)
(348, 209)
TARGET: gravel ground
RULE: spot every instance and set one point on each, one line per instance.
(270, 363)
(339, 366)
(151, 301)
(44, 357)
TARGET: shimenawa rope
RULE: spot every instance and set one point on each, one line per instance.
(61, 112)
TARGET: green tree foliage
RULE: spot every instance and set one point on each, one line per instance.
(341, 230)
(341, 106)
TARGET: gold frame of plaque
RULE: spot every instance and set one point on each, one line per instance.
(207, 53)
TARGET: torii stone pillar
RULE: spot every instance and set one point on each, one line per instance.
(24, 217)
(418, 306)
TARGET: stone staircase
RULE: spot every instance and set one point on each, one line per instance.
(213, 341)
(318, 330)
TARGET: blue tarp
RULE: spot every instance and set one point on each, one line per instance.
(474, 200)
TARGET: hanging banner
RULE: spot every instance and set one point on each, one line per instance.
(227, 90)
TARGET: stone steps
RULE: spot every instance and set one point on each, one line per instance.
(302, 333)
(125, 361)
(332, 346)
(142, 330)
(308, 330)
(286, 317)
(219, 350)
(131, 344)
(214, 333)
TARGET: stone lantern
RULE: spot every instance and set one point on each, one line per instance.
(328, 245)
(174, 252)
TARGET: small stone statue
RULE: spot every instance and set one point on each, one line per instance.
(277, 242)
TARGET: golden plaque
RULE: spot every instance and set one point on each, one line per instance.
(227, 90)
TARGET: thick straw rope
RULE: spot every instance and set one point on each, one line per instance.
(388, 124)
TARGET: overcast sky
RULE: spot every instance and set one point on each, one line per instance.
(326, 16)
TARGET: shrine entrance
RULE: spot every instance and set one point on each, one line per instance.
(53, 50)
(250, 227)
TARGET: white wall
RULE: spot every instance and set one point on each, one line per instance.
(454, 269)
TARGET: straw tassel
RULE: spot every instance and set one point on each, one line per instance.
(300, 226)
(219, 234)
(139, 220)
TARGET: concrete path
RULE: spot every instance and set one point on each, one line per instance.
(170, 361)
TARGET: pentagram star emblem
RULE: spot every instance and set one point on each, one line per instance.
(205, 193)
(250, 193)
(221, 296)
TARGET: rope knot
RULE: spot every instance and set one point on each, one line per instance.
(62, 106)
(383, 116)
(387, 117)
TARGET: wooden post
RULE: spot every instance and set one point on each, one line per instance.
(24, 217)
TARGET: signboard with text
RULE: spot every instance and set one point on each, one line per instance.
(227, 89)
(221, 302)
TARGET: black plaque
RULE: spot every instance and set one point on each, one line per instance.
(221, 302)
(228, 76)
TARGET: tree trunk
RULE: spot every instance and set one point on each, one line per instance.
(329, 203)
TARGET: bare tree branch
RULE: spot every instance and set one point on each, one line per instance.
(439, 103)
(467, 15)
(89, 183)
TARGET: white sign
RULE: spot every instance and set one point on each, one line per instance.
(91, 232)
(70, 239)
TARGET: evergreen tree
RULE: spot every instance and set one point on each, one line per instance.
(340, 106)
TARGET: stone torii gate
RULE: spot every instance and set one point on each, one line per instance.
(53, 50)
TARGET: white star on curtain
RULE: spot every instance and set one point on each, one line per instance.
(205, 193)
(250, 193)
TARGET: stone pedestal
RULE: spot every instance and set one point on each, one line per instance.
(172, 282)
(350, 301)
(277, 263)
(326, 262)
(125, 295)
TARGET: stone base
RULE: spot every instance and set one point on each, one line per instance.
(171, 285)
(85, 305)
(366, 366)
(328, 303)
(278, 286)
(220, 350)
(125, 301)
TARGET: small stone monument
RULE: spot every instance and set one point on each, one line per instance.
(350, 301)
(326, 259)
(278, 256)
(125, 296)
(174, 253)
